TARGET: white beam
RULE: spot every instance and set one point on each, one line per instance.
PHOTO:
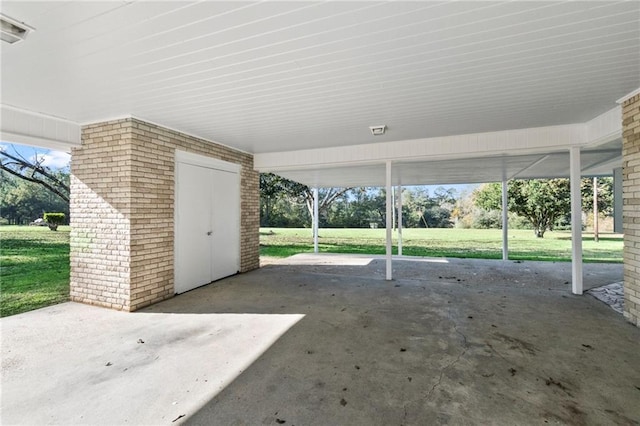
(505, 221)
(605, 127)
(540, 140)
(315, 220)
(388, 220)
(530, 166)
(31, 128)
(399, 197)
(576, 221)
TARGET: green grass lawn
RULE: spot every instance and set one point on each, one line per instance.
(453, 242)
(34, 261)
(34, 268)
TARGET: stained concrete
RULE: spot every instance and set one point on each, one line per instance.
(77, 364)
(327, 341)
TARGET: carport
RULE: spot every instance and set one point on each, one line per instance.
(531, 153)
(152, 97)
(328, 94)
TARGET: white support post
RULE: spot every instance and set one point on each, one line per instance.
(315, 220)
(505, 221)
(576, 221)
(617, 200)
(399, 198)
(393, 209)
(596, 233)
(389, 224)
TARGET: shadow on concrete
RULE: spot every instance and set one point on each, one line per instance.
(76, 364)
(326, 340)
(454, 341)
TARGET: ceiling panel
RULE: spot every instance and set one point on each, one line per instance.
(462, 170)
(277, 76)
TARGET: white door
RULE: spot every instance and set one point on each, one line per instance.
(193, 219)
(207, 231)
(226, 224)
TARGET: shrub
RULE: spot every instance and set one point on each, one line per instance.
(53, 220)
(487, 219)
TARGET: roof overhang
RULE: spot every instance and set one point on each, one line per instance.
(31, 128)
(474, 158)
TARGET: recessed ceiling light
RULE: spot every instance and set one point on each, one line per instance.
(13, 31)
(378, 130)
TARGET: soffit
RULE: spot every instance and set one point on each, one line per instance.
(278, 76)
(595, 162)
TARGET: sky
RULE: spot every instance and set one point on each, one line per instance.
(52, 159)
(461, 189)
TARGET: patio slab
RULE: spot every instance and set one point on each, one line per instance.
(77, 364)
(317, 340)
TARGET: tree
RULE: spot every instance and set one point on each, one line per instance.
(270, 191)
(358, 207)
(274, 188)
(540, 201)
(605, 195)
(326, 196)
(276, 195)
(429, 212)
(22, 201)
(36, 172)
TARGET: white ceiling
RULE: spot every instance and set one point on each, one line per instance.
(458, 171)
(278, 76)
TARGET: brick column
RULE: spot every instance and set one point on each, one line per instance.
(631, 206)
(122, 212)
(100, 207)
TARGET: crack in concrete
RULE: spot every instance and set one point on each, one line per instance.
(465, 345)
(442, 371)
(454, 362)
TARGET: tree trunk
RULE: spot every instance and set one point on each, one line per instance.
(267, 212)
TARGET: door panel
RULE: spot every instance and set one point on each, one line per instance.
(207, 231)
(193, 260)
(226, 224)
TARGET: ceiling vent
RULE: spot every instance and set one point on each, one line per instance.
(12, 31)
(378, 130)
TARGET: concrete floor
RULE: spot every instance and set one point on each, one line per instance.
(324, 340)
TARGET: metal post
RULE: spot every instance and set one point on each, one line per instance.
(576, 220)
(315, 220)
(399, 198)
(389, 224)
(505, 221)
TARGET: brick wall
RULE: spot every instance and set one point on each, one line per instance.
(631, 207)
(99, 211)
(122, 208)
